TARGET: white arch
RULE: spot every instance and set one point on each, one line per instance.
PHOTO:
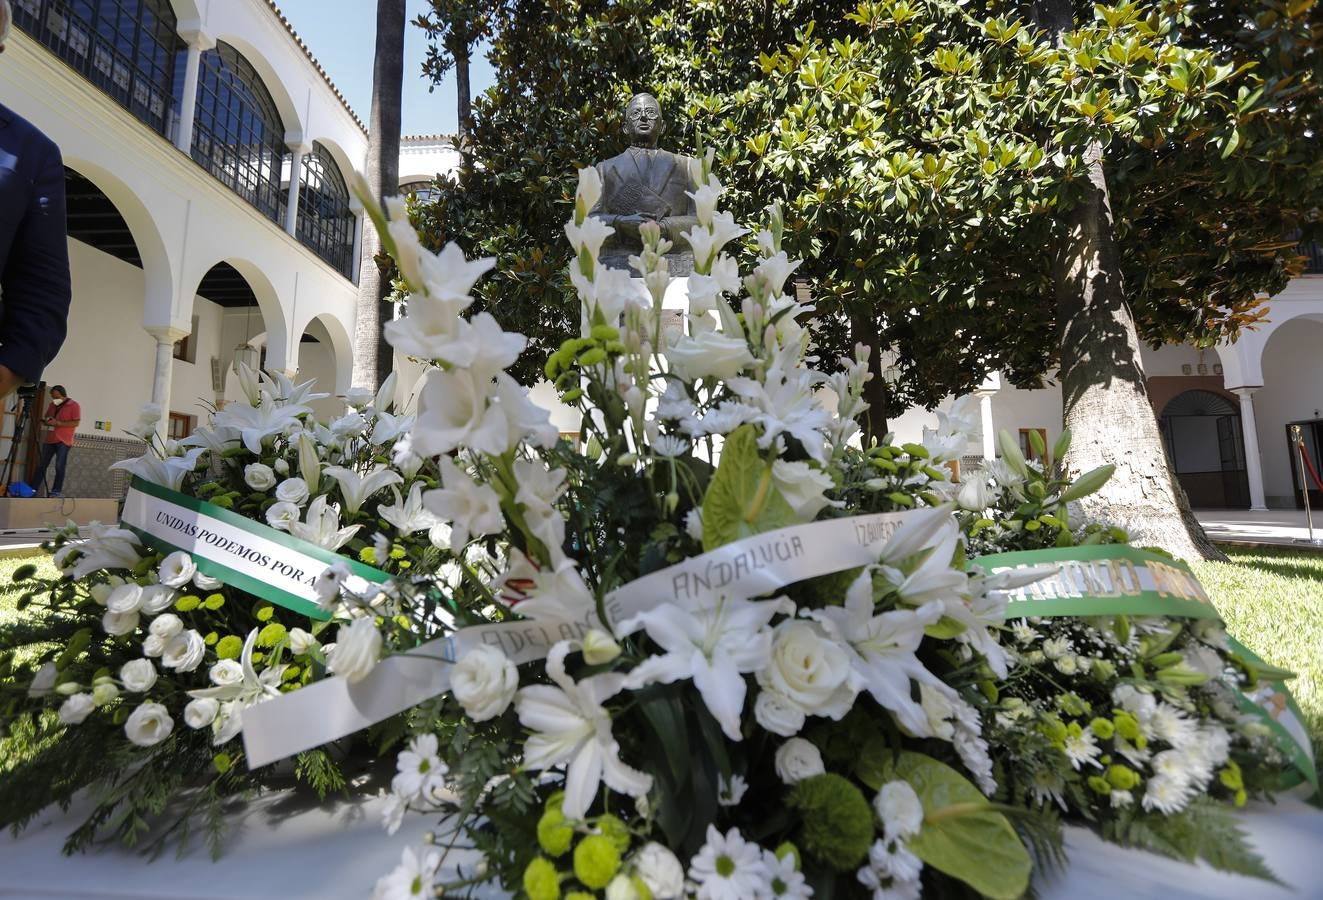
(293, 114)
(274, 323)
(342, 349)
(158, 276)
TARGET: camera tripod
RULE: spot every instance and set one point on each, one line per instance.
(26, 394)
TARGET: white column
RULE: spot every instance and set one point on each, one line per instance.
(162, 375)
(197, 42)
(299, 149)
(356, 207)
(985, 415)
(1253, 463)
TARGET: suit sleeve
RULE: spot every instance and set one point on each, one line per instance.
(37, 289)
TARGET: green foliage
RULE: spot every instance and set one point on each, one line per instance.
(320, 772)
(963, 835)
(1206, 830)
(742, 499)
(837, 820)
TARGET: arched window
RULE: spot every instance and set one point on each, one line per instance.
(325, 223)
(421, 190)
(128, 48)
(237, 132)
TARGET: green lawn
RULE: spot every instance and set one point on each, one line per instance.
(1272, 602)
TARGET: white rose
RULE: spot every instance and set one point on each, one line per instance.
(301, 642)
(206, 582)
(357, 647)
(157, 598)
(154, 645)
(899, 810)
(200, 712)
(660, 871)
(77, 708)
(293, 490)
(259, 476)
(225, 672)
(166, 626)
(709, 354)
(778, 715)
(148, 725)
(119, 623)
(44, 681)
(797, 759)
(281, 515)
(138, 675)
(484, 682)
(104, 691)
(184, 651)
(802, 486)
(127, 598)
(177, 569)
(599, 647)
(808, 669)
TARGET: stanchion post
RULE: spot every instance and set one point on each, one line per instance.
(1298, 439)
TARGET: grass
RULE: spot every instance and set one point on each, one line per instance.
(1272, 602)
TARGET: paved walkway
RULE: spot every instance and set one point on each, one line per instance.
(1284, 527)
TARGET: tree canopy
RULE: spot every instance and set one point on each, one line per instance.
(922, 150)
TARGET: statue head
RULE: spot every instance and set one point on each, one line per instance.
(643, 120)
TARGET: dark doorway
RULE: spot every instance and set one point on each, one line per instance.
(1312, 432)
(1205, 444)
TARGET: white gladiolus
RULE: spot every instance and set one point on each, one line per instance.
(798, 759)
(138, 675)
(148, 725)
(484, 682)
(356, 650)
(709, 355)
(301, 642)
(177, 569)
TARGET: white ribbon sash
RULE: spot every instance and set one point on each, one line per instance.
(751, 567)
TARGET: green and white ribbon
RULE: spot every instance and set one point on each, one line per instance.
(236, 550)
(1117, 580)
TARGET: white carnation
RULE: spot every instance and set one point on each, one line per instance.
(356, 650)
(899, 810)
(797, 759)
(777, 714)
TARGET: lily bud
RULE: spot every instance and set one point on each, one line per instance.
(599, 647)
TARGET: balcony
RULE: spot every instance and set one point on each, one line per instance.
(1313, 254)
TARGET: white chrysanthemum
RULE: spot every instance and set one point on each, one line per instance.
(727, 867)
(893, 859)
(420, 770)
(1166, 794)
(783, 879)
(1082, 749)
(412, 878)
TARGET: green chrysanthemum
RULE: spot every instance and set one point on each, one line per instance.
(838, 822)
(596, 861)
(271, 635)
(554, 836)
(541, 880)
(229, 647)
(615, 830)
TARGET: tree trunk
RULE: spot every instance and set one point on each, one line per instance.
(463, 94)
(1103, 386)
(372, 356)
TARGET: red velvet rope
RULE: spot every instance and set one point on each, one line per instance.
(1310, 466)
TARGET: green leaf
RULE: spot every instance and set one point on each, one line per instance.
(1087, 483)
(742, 499)
(962, 834)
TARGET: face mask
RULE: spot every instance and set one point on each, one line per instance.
(58, 400)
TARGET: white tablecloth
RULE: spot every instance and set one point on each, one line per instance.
(281, 849)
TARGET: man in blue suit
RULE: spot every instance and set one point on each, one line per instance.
(34, 251)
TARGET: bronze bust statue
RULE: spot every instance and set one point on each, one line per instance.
(645, 184)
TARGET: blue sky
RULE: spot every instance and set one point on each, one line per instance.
(341, 33)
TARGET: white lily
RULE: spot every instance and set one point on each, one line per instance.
(558, 594)
(715, 642)
(168, 471)
(928, 536)
(571, 728)
(788, 403)
(310, 466)
(472, 509)
(448, 275)
(388, 427)
(251, 688)
(408, 515)
(355, 489)
(321, 526)
(985, 610)
(107, 548)
(286, 393)
(255, 423)
(882, 649)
